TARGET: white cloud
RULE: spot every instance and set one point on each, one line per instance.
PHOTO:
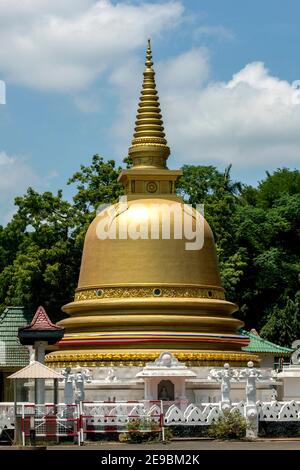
(180, 75)
(15, 176)
(215, 31)
(65, 45)
(2, 92)
(189, 70)
(87, 103)
(252, 120)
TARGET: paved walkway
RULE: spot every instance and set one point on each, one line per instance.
(263, 444)
(199, 445)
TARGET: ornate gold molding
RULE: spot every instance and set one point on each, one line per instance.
(62, 359)
(144, 292)
(151, 140)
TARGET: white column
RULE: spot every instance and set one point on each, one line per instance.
(147, 394)
(31, 354)
(182, 389)
(39, 347)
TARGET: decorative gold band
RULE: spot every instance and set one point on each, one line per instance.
(148, 144)
(156, 161)
(206, 358)
(143, 292)
(151, 140)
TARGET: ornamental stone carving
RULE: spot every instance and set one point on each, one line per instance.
(251, 374)
(225, 376)
(296, 354)
(144, 292)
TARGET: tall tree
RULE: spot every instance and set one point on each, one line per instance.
(40, 249)
(256, 231)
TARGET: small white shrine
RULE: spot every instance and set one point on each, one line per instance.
(165, 379)
(290, 375)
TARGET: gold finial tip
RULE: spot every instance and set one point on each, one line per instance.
(149, 145)
(149, 62)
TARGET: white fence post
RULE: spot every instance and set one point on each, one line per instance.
(162, 421)
(251, 374)
(80, 414)
(23, 426)
(225, 376)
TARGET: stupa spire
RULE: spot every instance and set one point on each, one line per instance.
(149, 146)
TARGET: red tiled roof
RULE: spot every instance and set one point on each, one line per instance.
(41, 322)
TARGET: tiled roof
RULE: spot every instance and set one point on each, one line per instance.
(36, 370)
(41, 321)
(12, 353)
(261, 345)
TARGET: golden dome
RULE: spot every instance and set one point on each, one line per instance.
(143, 287)
(144, 261)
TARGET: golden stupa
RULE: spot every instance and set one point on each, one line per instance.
(137, 297)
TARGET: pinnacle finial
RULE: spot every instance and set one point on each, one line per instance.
(149, 146)
(149, 62)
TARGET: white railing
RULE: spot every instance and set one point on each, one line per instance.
(81, 421)
(279, 411)
(108, 417)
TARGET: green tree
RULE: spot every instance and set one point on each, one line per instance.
(282, 182)
(41, 248)
(96, 184)
(283, 323)
(256, 231)
(45, 264)
(257, 238)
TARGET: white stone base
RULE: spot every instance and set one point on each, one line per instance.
(125, 386)
(290, 377)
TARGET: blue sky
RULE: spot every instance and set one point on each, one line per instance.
(227, 76)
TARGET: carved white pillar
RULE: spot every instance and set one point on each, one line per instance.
(251, 374)
(39, 348)
(147, 393)
(31, 354)
(225, 376)
(182, 389)
(68, 385)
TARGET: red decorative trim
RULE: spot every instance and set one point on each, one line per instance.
(41, 321)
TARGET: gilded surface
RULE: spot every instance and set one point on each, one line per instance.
(144, 292)
(149, 135)
(133, 276)
(200, 358)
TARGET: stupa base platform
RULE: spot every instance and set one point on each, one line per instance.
(111, 358)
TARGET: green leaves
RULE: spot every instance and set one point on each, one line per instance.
(283, 182)
(229, 426)
(96, 184)
(283, 323)
(41, 248)
(257, 234)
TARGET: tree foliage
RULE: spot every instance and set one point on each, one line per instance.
(41, 247)
(229, 426)
(257, 234)
(256, 229)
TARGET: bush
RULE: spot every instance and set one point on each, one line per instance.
(142, 430)
(168, 433)
(279, 429)
(229, 426)
(189, 431)
(106, 436)
(123, 437)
